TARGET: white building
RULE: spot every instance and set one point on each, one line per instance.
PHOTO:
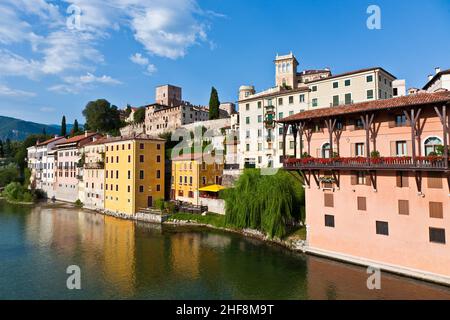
(440, 81)
(261, 137)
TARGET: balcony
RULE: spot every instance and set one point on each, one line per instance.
(430, 163)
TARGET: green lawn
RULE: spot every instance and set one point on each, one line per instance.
(213, 219)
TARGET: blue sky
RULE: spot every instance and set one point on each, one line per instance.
(122, 49)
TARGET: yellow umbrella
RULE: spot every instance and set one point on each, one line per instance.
(212, 188)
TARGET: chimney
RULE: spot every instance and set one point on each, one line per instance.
(437, 70)
(94, 139)
(85, 133)
(430, 77)
(108, 136)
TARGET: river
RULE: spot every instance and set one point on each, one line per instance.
(129, 260)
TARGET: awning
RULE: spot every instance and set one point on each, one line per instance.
(212, 188)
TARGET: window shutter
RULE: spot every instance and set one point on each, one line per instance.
(399, 179)
(436, 210)
(362, 203)
(393, 149)
(352, 149)
(368, 181)
(328, 200)
(434, 180)
(403, 207)
(353, 178)
(409, 148)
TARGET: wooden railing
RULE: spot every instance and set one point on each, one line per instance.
(431, 163)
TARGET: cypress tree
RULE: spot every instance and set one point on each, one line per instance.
(214, 104)
(2, 153)
(63, 127)
(76, 128)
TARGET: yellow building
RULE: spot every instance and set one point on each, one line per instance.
(134, 173)
(191, 172)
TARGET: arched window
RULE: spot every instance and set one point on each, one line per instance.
(326, 150)
(431, 144)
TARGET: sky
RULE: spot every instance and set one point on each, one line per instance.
(57, 55)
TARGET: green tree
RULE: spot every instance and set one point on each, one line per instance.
(75, 129)
(2, 151)
(63, 127)
(214, 104)
(8, 152)
(139, 115)
(128, 110)
(265, 202)
(102, 117)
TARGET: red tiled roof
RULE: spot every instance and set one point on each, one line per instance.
(78, 138)
(101, 140)
(48, 141)
(411, 100)
(437, 75)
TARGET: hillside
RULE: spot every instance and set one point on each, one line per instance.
(16, 129)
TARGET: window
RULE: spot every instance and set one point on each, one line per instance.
(247, 107)
(403, 207)
(395, 92)
(328, 200)
(158, 147)
(247, 134)
(431, 145)
(362, 206)
(315, 102)
(314, 88)
(291, 100)
(129, 158)
(329, 221)
(260, 133)
(369, 78)
(129, 174)
(259, 146)
(335, 85)
(402, 179)
(128, 188)
(280, 115)
(437, 235)
(158, 174)
(280, 101)
(247, 120)
(369, 94)
(291, 144)
(302, 98)
(347, 82)
(141, 146)
(436, 210)
(359, 149)
(141, 174)
(259, 104)
(400, 148)
(259, 118)
(141, 158)
(326, 150)
(158, 158)
(382, 228)
(434, 180)
(335, 101)
(400, 120)
(291, 113)
(348, 98)
(247, 147)
(141, 188)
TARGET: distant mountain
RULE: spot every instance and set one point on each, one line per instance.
(16, 129)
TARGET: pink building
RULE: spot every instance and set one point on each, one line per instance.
(94, 174)
(67, 166)
(377, 182)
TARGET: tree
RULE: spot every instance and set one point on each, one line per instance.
(139, 115)
(2, 152)
(102, 117)
(128, 110)
(63, 127)
(75, 129)
(8, 152)
(214, 104)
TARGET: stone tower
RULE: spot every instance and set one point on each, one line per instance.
(168, 95)
(286, 71)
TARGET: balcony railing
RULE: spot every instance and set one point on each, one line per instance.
(387, 163)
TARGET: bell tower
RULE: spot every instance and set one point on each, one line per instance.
(286, 71)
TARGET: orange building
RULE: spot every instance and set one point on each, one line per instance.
(377, 182)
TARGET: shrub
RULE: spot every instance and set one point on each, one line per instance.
(16, 192)
(78, 203)
(374, 154)
(159, 204)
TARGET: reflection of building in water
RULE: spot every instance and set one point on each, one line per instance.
(185, 254)
(119, 253)
(328, 279)
(91, 228)
(215, 240)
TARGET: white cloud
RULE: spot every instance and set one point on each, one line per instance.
(150, 68)
(6, 91)
(139, 59)
(75, 85)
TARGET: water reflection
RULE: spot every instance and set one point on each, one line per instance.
(125, 259)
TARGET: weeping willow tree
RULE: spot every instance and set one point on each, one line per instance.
(264, 202)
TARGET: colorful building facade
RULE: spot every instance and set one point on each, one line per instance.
(377, 182)
(134, 173)
(94, 174)
(191, 172)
